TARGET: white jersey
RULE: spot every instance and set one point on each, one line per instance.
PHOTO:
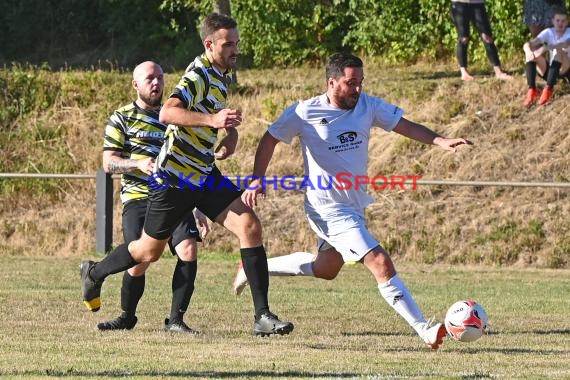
(334, 143)
(548, 36)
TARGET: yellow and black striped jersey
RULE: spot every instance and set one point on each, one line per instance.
(188, 152)
(137, 134)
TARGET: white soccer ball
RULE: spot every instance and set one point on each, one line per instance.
(466, 321)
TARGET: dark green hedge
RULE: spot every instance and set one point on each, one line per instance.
(104, 33)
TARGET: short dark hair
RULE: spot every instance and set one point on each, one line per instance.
(337, 62)
(558, 10)
(214, 22)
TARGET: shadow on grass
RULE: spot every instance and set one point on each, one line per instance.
(513, 351)
(190, 374)
(481, 350)
(374, 333)
(550, 332)
(538, 332)
(430, 75)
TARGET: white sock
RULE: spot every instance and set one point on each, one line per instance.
(398, 296)
(294, 264)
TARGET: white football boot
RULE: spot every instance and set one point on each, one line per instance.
(433, 334)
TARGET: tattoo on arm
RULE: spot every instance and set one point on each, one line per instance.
(122, 166)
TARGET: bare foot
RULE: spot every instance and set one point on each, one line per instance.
(465, 76)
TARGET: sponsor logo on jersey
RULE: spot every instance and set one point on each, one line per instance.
(150, 135)
(347, 137)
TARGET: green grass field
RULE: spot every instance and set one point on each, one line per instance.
(343, 328)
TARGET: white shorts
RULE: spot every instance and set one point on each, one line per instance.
(344, 231)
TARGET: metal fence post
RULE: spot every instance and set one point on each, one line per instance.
(104, 212)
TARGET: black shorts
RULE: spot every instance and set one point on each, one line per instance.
(133, 220)
(167, 207)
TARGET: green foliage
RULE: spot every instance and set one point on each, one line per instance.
(508, 28)
(428, 246)
(560, 257)
(280, 32)
(96, 33)
(385, 34)
(401, 31)
(269, 108)
(307, 31)
(511, 240)
(24, 89)
(46, 120)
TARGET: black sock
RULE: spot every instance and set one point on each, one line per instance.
(530, 71)
(553, 73)
(131, 293)
(255, 267)
(182, 288)
(117, 261)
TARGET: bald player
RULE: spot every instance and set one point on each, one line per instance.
(133, 138)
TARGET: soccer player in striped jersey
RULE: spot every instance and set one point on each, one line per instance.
(133, 138)
(195, 113)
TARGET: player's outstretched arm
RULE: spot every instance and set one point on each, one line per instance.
(263, 156)
(425, 135)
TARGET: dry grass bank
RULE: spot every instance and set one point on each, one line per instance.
(505, 226)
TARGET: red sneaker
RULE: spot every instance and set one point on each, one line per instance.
(531, 96)
(546, 95)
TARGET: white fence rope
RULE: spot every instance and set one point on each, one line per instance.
(426, 182)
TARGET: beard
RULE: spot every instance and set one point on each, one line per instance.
(231, 62)
(348, 102)
(153, 99)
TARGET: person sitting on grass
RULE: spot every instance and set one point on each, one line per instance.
(556, 40)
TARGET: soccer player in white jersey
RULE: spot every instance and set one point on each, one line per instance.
(334, 130)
